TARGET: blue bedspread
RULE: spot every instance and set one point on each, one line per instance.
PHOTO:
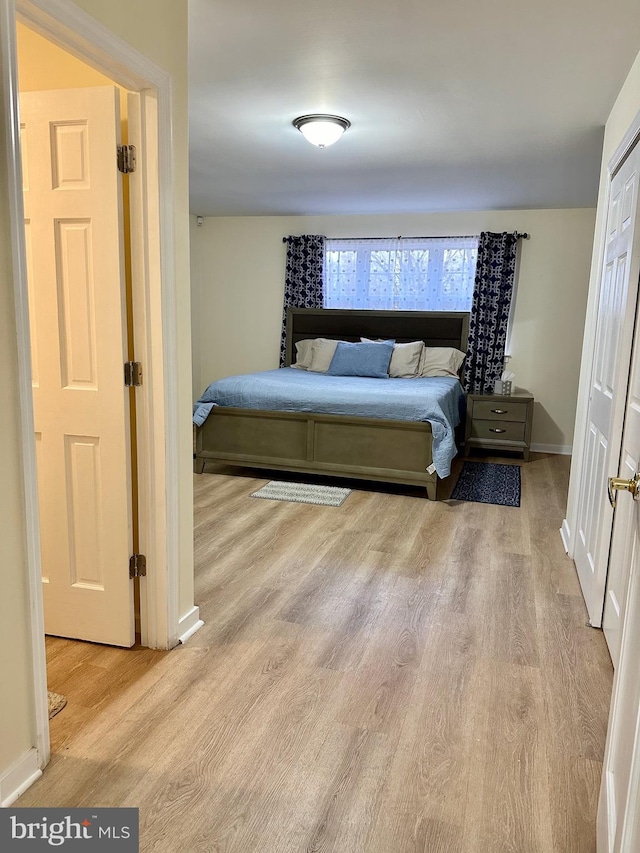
(438, 400)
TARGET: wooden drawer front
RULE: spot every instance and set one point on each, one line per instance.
(497, 430)
(494, 411)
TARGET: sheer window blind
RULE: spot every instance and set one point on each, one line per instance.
(410, 274)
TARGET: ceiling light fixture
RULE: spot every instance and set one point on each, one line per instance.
(320, 129)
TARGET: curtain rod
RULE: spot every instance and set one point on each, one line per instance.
(519, 235)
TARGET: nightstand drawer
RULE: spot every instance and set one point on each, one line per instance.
(497, 430)
(499, 411)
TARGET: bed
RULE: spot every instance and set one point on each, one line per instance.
(338, 445)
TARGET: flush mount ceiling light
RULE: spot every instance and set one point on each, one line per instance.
(320, 129)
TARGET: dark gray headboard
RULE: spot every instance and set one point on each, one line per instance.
(435, 328)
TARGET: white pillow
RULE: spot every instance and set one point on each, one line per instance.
(441, 361)
(405, 360)
(303, 354)
(322, 352)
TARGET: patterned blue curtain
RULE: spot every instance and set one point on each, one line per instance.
(495, 272)
(303, 286)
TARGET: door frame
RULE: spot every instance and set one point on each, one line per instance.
(65, 24)
(569, 524)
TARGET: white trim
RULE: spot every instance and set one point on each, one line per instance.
(625, 147)
(565, 535)
(21, 775)
(70, 27)
(558, 449)
(170, 364)
(606, 822)
(27, 429)
(158, 598)
(630, 829)
(189, 624)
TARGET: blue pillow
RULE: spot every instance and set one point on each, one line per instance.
(364, 359)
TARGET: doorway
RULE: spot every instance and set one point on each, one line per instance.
(81, 325)
(66, 26)
(609, 382)
(72, 120)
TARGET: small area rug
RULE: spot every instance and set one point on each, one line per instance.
(56, 703)
(488, 483)
(303, 493)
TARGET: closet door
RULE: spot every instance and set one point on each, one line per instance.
(609, 381)
(74, 237)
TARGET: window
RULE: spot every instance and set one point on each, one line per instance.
(410, 274)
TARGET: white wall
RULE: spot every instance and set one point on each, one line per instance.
(158, 29)
(17, 721)
(238, 267)
(43, 65)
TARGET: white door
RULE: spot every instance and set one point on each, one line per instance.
(619, 809)
(616, 313)
(74, 237)
(624, 523)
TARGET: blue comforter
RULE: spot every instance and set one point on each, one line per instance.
(438, 400)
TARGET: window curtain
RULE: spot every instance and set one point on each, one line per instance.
(406, 274)
(493, 289)
(303, 285)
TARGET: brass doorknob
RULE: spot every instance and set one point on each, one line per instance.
(616, 484)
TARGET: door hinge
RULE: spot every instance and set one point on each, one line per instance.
(126, 159)
(132, 373)
(137, 566)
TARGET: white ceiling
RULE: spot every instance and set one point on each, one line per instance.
(454, 104)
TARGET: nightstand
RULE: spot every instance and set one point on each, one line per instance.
(498, 422)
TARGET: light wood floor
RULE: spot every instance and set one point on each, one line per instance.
(392, 676)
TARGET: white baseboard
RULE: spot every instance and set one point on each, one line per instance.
(189, 624)
(560, 449)
(18, 777)
(565, 535)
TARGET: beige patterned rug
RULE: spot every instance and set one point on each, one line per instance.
(56, 703)
(304, 493)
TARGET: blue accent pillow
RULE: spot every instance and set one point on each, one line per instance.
(364, 359)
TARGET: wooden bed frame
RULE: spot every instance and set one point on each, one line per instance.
(336, 445)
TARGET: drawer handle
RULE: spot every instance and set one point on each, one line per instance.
(500, 411)
(497, 430)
